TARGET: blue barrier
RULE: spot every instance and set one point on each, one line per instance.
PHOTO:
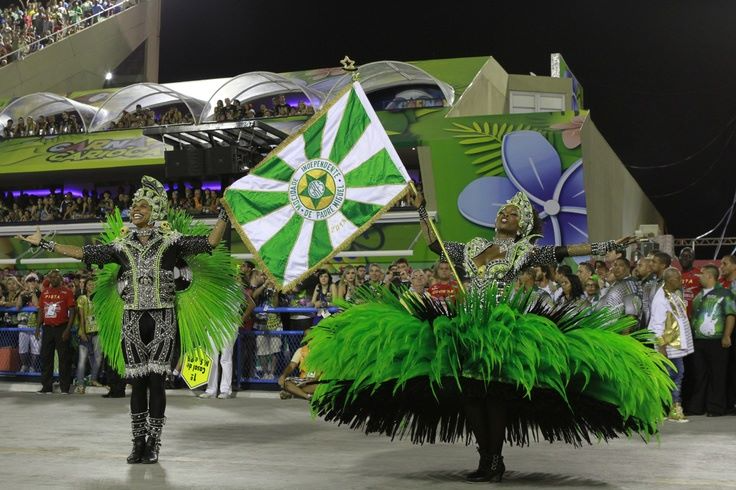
(253, 368)
(258, 358)
(293, 309)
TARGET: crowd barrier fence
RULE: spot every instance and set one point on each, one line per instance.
(259, 356)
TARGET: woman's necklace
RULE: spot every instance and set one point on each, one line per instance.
(144, 232)
(503, 244)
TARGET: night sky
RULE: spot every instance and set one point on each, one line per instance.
(659, 77)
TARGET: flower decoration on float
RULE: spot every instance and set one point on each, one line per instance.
(532, 166)
(572, 131)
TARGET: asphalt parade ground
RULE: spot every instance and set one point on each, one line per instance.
(257, 441)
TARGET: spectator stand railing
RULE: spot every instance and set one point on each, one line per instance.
(277, 346)
(64, 31)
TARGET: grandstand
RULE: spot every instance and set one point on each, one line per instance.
(203, 134)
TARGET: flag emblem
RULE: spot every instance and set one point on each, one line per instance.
(317, 191)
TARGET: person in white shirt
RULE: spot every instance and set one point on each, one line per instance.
(669, 323)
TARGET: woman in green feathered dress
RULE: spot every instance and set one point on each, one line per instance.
(497, 364)
(136, 287)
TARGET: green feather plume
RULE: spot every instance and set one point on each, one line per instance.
(107, 302)
(391, 339)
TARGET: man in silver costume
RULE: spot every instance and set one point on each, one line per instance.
(624, 297)
(147, 255)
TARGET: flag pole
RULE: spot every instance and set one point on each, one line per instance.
(349, 66)
(442, 244)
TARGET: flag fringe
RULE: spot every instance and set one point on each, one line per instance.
(249, 245)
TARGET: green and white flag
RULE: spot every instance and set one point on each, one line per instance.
(322, 187)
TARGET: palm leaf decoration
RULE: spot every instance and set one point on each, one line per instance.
(484, 141)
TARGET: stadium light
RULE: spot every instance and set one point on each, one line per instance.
(108, 76)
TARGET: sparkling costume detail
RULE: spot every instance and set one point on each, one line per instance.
(562, 374)
(143, 278)
(146, 285)
(147, 280)
(516, 254)
(624, 297)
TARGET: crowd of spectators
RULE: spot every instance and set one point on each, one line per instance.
(142, 117)
(234, 110)
(63, 123)
(29, 27)
(69, 123)
(146, 117)
(225, 111)
(92, 205)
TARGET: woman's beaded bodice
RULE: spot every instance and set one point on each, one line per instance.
(503, 270)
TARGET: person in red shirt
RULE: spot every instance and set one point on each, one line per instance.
(690, 277)
(55, 308)
(443, 286)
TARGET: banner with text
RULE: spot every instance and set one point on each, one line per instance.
(79, 152)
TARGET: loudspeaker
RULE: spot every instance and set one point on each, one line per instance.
(184, 163)
(220, 160)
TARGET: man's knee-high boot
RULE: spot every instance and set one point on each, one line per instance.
(155, 427)
(138, 423)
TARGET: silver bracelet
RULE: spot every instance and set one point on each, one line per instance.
(423, 215)
(47, 245)
(223, 216)
(602, 248)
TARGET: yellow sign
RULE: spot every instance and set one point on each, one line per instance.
(196, 368)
